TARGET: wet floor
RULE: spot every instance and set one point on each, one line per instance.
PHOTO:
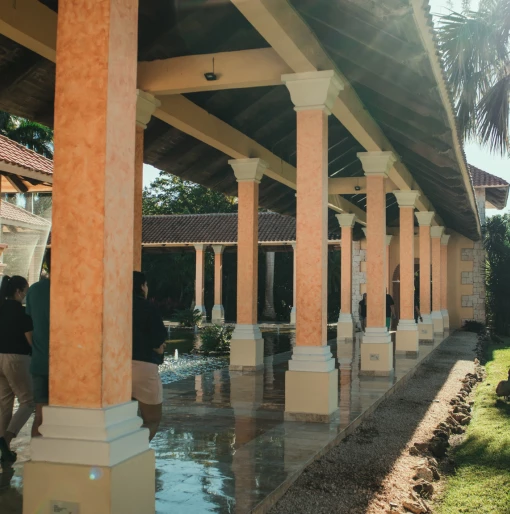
(224, 446)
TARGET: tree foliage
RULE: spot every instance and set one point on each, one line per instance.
(28, 133)
(475, 47)
(497, 246)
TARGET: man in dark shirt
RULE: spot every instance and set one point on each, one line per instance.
(38, 307)
(390, 310)
(362, 311)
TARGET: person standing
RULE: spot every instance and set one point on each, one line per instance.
(362, 312)
(15, 380)
(390, 310)
(38, 307)
(149, 336)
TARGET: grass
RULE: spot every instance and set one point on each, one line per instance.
(481, 483)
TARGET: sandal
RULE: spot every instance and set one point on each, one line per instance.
(8, 456)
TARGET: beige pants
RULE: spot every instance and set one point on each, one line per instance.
(15, 381)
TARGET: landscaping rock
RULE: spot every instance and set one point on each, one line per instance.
(432, 462)
(415, 507)
(424, 488)
(438, 447)
(424, 473)
(422, 447)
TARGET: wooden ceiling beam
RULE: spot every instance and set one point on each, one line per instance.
(191, 119)
(284, 29)
(16, 183)
(348, 185)
(241, 69)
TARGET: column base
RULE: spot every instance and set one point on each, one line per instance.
(426, 329)
(127, 487)
(246, 348)
(437, 321)
(202, 310)
(345, 328)
(406, 339)
(376, 353)
(293, 316)
(311, 396)
(218, 314)
(446, 320)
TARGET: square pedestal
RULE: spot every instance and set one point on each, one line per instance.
(246, 348)
(311, 395)
(217, 314)
(437, 322)
(376, 353)
(426, 330)
(446, 320)
(293, 316)
(406, 338)
(126, 488)
(345, 330)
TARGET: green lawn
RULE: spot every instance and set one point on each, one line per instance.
(481, 483)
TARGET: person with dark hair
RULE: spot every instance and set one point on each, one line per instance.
(38, 307)
(15, 380)
(149, 335)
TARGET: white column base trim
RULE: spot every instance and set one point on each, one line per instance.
(446, 319)
(218, 314)
(437, 321)
(202, 310)
(376, 336)
(312, 358)
(246, 348)
(293, 316)
(376, 352)
(426, 328)
(249, 332)
(91, 437)
(407, 325)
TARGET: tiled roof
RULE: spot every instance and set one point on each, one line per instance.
(17, 155)
(211, 228)
(11, 212)
(481, 178)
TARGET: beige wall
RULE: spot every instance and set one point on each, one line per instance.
(456, 265)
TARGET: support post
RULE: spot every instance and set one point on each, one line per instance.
(146, 104)
(311, 383)
(269, 311)
(444, 282)
(437, 318)
(388, 271)
(376, 346)
(247, 345)
(293, 310)
(93, 452)
(218, 313)
(425, 329)
(346, 326)
(407, 330)
(200, 279)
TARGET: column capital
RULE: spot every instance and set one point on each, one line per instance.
(388, 240)
(293, 245)
(313, 90)
(200, 247)
(146, 104)
(406, 198)
(376, 163)
(346, 220)
(436, 232)
(248, 170)
(444, 239)
(425, 218)
(218, 249)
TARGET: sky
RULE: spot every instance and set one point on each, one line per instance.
(476, 155)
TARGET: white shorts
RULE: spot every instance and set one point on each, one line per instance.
(147, 386)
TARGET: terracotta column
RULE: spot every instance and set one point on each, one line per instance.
(426, 329)
(311, 384)
(247, 345)
(407, 330)
(218, 313)
(376, 347)
(92, 452)
(444, 282)
(346, 328)
(200, 279)
(146, 104)
(293, 310)
(388, 270)
(437, 318)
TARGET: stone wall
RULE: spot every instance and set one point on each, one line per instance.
(359, 277)
(476, 300)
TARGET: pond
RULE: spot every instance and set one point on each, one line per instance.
(276, 340)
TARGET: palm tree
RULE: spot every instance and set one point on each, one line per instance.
(475, 48)
(33, 135)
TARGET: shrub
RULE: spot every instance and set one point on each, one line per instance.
(188, 317)
(216, 338)
(473, 326)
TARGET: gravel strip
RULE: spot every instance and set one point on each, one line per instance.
(373, 467)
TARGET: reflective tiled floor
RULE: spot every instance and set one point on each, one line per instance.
(223, 444)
